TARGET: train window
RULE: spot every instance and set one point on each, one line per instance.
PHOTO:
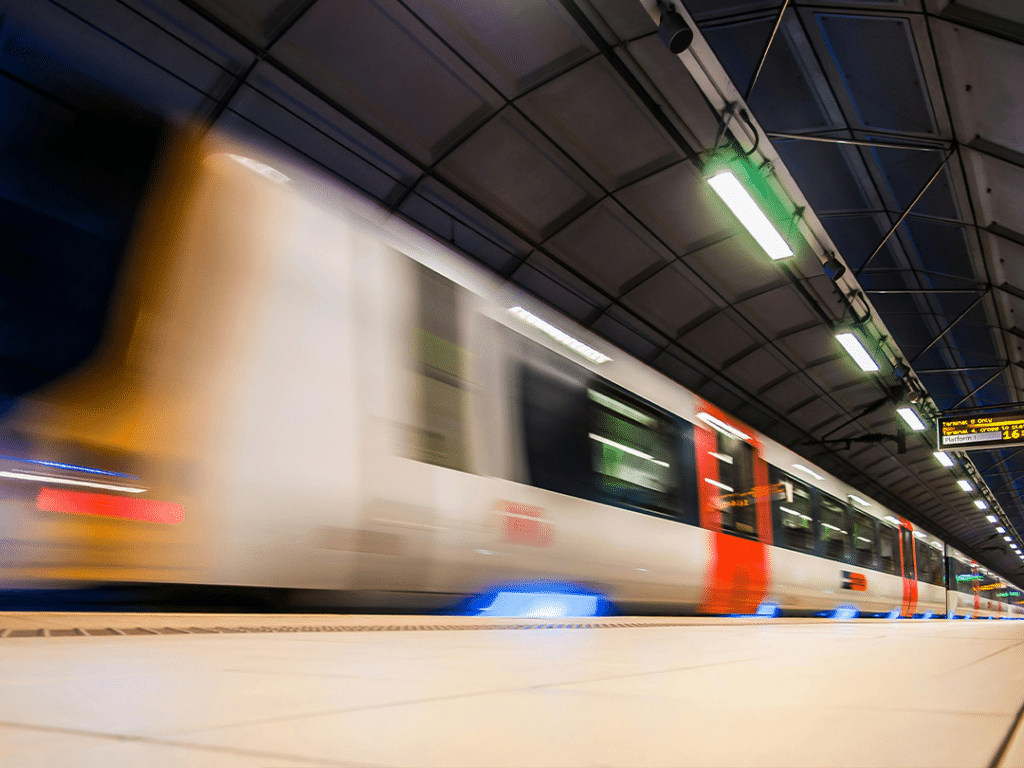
(633, 452)
(440, 374)
(835, 530)
(939, 560)
(792, 513)
(554, 412)
(865, 539)
(888, 548)
(736, 498)
(925, 565)
(908, 553)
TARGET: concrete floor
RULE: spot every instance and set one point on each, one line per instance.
(414, 691)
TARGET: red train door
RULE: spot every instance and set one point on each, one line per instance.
(908, 563)
(735, 506)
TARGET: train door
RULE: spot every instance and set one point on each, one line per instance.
(735, 507)
(908, 559)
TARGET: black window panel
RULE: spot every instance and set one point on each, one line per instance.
(735, 484)
(835, 529)
(888, 548)
(634, 451)
(865, 539)
(923, 560)
(792, 513)
(908, 553)
(554, 412)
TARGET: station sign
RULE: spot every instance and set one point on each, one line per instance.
(971, 433)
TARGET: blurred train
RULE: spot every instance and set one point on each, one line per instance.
(298, 391)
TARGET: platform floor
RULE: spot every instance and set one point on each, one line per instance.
(276, 691)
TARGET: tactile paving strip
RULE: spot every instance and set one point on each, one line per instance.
(79, 632)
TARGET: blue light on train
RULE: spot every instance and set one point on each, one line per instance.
(928, 615)
(72, 467)
(893, 614)
(766, 610)
(845, 613)
(539, 599)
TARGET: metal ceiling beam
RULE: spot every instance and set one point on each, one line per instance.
(958, 370)
(980, 387)
(949, 327)
(767, 47)
(925, 290)
(852, 142)
(909, 207)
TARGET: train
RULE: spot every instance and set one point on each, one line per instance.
(299, 391)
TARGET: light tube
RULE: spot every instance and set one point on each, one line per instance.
(965, 485)
(981, 504)
(69, 481)
(944, 458)
(857, 351)
(717, 484)
(1000, 529)
(992, 519)
(808, 470)
(746, 210)
(627, 449)
(561, 337)
(1007, 538)
(858, 500)
(721, 426)
(912, 419)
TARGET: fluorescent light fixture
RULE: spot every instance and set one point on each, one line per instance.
(1000, 529)
(561, 337)
(858, 500)
(627, 449)
(913, 420)
(857, 351)
(944, 458)
(261, 168)
(920, 535)
(68, 481)
(965, 485)
(892, 519)
(808, 471)
(992, 519)
(981, 504)
(717, 484)
(742, 205)
(1007, 538)
(721, 426)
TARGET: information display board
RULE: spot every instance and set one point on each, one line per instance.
(970, 433)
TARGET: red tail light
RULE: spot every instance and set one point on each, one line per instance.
(101, 505)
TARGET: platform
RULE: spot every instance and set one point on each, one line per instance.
(329, 690)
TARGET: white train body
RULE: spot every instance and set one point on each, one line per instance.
(327, 399)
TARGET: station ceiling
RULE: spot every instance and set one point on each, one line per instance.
(562, 145)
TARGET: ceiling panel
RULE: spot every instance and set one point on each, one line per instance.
(378, 60)
(512, 169)
(678, 207)
(514, 46)
(877, 60)
(602, 124)
(609, 247)
(720, 338)
(732, 269)
(671, 299)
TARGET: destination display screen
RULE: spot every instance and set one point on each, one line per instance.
(995, 430)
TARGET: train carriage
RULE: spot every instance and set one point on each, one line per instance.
(300, 392)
